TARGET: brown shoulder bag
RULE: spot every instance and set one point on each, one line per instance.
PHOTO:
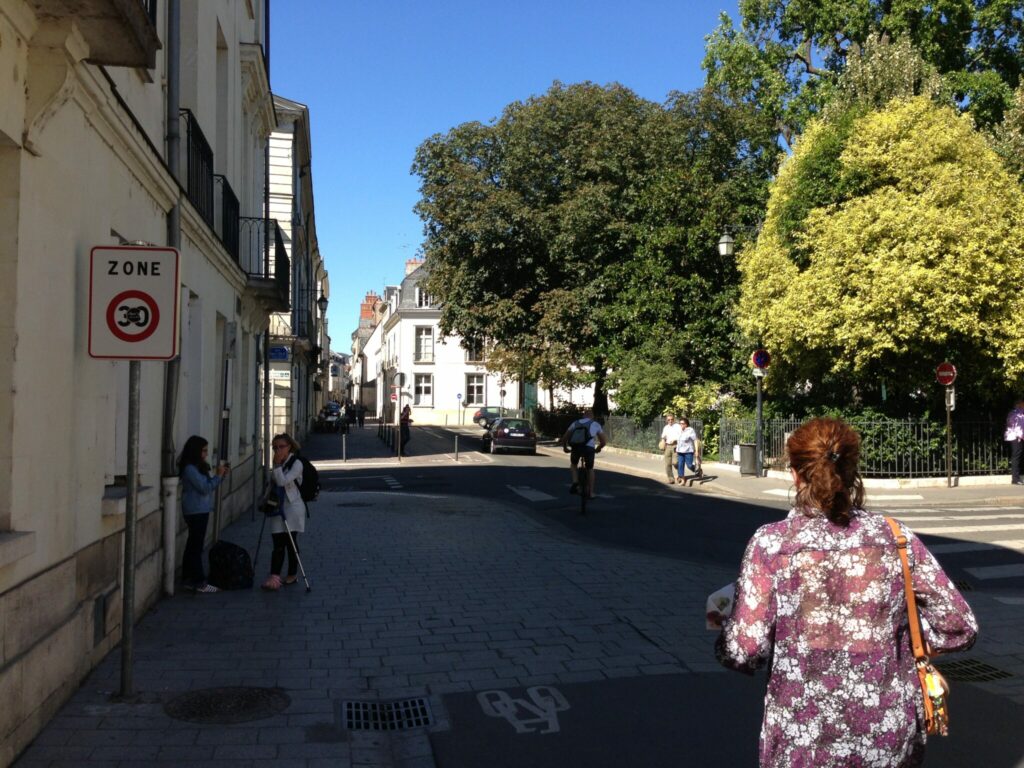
(933, 685)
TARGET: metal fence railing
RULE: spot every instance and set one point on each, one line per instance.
(889, 447)
(198, 157)
(624, 432)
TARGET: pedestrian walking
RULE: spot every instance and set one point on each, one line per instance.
(821, 595)
(404, 422)
(361, 414)
(669, 438)
(197, 496)
(1014, 435)
(686, 449)
(286, 477)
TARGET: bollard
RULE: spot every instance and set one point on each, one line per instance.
(344, 447)
(456, 447)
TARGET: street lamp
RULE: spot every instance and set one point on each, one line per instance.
(726, 244)
(322, 303)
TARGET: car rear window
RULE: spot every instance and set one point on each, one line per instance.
(516, 424)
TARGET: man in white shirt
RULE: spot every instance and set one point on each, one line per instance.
(670, 436)
(585, 438)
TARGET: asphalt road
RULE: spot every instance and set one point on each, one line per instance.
(654, 720)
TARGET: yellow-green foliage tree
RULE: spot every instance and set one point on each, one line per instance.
(893, 239)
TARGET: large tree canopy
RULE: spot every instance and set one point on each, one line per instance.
(894, 239)
(580, 227)
(786, 54)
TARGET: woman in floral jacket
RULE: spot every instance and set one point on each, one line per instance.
(820, 599)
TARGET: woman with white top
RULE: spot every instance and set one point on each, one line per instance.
(686, 449)
(286, 477)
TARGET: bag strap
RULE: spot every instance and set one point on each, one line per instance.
(923, 664)
(916, 644)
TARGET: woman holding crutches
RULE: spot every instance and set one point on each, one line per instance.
(291, 518)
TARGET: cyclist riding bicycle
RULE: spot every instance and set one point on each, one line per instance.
(584, 437)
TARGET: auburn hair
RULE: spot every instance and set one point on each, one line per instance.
(825, 454)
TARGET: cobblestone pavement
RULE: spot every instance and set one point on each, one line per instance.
(414, 595)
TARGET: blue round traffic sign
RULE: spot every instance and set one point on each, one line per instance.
(760, 358)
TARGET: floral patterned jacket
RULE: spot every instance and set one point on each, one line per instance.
(824, 606)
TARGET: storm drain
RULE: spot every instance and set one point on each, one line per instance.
(971, 671)
(386, 715)
(224, 706)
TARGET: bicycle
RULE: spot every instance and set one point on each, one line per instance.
(582, 477)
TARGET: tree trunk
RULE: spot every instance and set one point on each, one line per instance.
(600, 395)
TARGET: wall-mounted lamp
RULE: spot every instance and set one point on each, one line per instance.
(322, 303)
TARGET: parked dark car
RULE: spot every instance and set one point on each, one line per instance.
(510, 434)
(329, 419)
(484, 416)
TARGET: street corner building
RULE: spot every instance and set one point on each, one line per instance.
(134, 124)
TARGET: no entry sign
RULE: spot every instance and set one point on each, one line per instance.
(945, 374)
(133, 303)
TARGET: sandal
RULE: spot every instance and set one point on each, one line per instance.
(272, 584)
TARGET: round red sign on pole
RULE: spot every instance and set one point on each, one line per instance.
(945, 374)
(760, 358)
(133, 316)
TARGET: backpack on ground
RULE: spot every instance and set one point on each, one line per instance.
(230, 566)
(580, 434)
(309, 488)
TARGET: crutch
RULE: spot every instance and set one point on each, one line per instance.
(259, 541)
(295, 549)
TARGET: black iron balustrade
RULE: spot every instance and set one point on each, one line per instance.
(282, 265)
(226, 211)
(198, 168)
(262, 256)
(890, 447)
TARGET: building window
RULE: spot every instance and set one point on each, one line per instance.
(474, 389)
(424, 344)
(475, 352)
(423, 389)
(423, 299)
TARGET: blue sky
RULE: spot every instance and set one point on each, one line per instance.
(380, 77)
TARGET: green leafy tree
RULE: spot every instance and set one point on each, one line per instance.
(915, 256)
(1009, 136)
(786, 54)
(580, 228)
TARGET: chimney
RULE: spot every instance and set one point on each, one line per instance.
(366, 308)
(411, 265)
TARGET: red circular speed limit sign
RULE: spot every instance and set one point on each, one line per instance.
(133, 316)
(945, 374)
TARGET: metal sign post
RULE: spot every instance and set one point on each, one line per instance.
(760, 359)
(945, 374)
(133, 315)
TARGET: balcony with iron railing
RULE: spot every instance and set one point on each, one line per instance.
(225, 212)
(198, 170)
(119, 33)
(264, 259)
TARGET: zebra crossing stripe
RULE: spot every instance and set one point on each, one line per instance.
(997, 571)
(918, 518)
(530, 494)
(939, 530)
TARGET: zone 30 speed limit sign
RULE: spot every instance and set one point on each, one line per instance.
(133, 303)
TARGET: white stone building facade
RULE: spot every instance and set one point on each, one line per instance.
(95, 96)
(299, 361)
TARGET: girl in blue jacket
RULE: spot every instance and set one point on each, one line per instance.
(196, 504)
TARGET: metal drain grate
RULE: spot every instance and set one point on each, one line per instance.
(386, 715)
(224, 706)
(971, 671)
